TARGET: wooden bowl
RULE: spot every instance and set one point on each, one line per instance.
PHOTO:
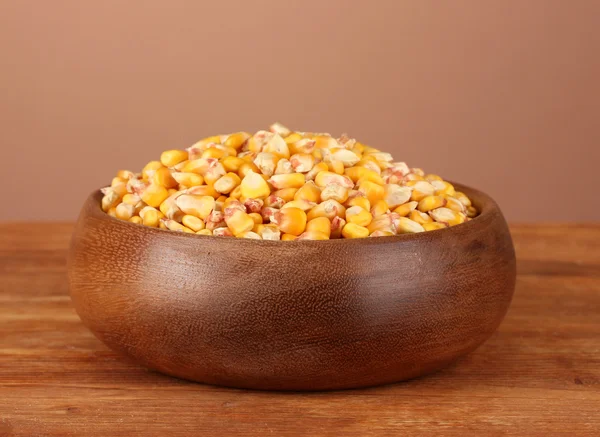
(303, 315)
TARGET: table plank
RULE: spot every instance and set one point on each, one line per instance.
(539, 373)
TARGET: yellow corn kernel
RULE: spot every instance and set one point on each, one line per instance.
(277, 146)
(302, 162)
(292, 180)
(471, 211)
(162, 225)
(304, 205)
(154, 195)
(256, 218)
(278, 128)
(419, 217)
(136, 219)
(373, 191)
(432, 177)
(330, 209)
(335, 192)
(150, 168)
(405, 209)
(352, 230)
(174, 226)
(337, 224)
(420, 189)
(309, 191)
(325, 178)
(254, 186)
(131, 199)
(428, 203)
(194, 223)
(382, 234)
(414, 177)
(124, 211)
(336, 167)
(396, 195)
(432, 226)
(274, 201)
(203, 190)
(319, 224)
(313, 235)
(357, 174)
(236, 140)
(446, 215)
(170, 158)
(408, 226)
(292, 138)
(347, 157)
(222, 232)
(232, 163)
(266, 163)
(238, 221)
(379, 208)
(453, 204)
(288, 237)
(204, 232)
(359, 200)
(287, 194)
(151, 217)
(225, 184)
(290, 220)
(188, 179)
(249, 235)
(305, 145)
(443, 188)
(381, 223)
(246, 168)
(358, 216)
(112, 212)
(199, 206)
(213, 152)
(117, 181)
(324, 142)
(284, 167)
(462, 198)
(163, 177)
(236, 193)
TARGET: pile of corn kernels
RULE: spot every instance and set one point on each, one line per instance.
(285, 185)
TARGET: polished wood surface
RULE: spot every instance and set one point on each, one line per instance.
(306, 315)
(539, 373)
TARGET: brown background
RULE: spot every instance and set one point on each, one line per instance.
(503, 96)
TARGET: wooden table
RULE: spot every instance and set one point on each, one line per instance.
(538, 374)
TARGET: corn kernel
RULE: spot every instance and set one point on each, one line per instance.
(381, 207)
(277, 146)
(288, 237)
(309, 191)
(154, 195)
(236, 140)
(150, 217)
(174, 226)
(405, 209)
(313, 235)
(226, 183)
(163, 177)
(447, 216)
(290, 220)
(462, 198)
(213, 152)
(336, 167)
(136, 219)
(222, 232)
(319, 224)
(302, 162)
(173, 157)
(304, 205)
(358, 216)
(305, 145)
(292, 138)
(432, 226)
(199, 206)
(421, 189)
(428, 203)
(408, 226)
(117, 181)
(358, 198)
(419, 217)
(443, 188)
(256, 218)
(202, 190)
(204, 232)
(325, 178)
(352, 230)
(330, 209)
(373, 191)
(471, 211)
(292, 180)
(396, 195)
(432, 177)
(335, 192)
(284, 167)
(454, 204)
(312, 174)
(382, 234)
(188, 179)
(254, 186)
(194, 223)
(124, 211)
(287, 194)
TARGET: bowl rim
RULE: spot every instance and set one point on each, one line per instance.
(486, 205)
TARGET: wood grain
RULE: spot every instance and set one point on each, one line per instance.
(539, 374)
(305, 315)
